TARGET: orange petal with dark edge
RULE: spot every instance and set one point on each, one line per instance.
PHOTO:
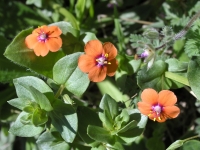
(53, 31)
(97, 74)
(86, 63)
(149, 96)
(110, 49)
(171, 111)
(54, 44)
(166, 98)
(94, 48)
(31, 41)
(144, 108)
(41, 49)
(111, 68)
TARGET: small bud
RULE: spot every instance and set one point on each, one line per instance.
(149, 55)
(151, 33)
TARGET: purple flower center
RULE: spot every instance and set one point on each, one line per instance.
(156, 111)
(102, 60)
(42, 37)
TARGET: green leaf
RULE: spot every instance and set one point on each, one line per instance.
(109, 110)
(29, 109)
(23, 56)
(47, 141)
(193, 75)
(41, 99)
(22, 84)
(83, 122)
(26, 119)
(99, 134)
(39, 117)
(67, 73)
(136, 39)
(79, 8)
(154, 77)
(177, 77)
(87, 36)
(191, 145)
(133, 133)
(35, 82)
(135, 65)
(176, 66)
(109, 87)
(24, 130)
(9, 70)
(66, 27)
(192, 44)
(120, 34)
(64, 119)
(175, 145)
(37, 3)
(129, 126)
(19, 103)
(67, 15)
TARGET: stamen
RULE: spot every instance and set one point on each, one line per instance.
(102, 60)
(159, 118)
(154, 119)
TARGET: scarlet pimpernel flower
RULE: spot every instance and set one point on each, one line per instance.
(44, 39)
(98, 60)
(158, 106)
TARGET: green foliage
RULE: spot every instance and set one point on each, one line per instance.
(64, 119)
(51, 101)
(154, 77)
(122, 126)
(192, 44)
(70, 73)
(193, 75)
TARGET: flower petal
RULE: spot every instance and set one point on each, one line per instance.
(110, 49)
(97, 74)
(171, 111)
(94, 48)
(86, 63)
(41, 49)
(111, 68)
(53, 31)
(31, 41)
(149, 96)
(167, 98)
(54, 44)
(144, 108)
(40, 30)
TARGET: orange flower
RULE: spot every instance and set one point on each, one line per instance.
(158, 106)
(43, 39)
(99, 60)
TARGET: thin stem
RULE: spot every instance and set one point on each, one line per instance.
(182, 32)
(60, 90)
(193, 137)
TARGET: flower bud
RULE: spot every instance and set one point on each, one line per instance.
(151, 33)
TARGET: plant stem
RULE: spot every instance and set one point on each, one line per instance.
(193, 137)
(183, 32)
(60, 90)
